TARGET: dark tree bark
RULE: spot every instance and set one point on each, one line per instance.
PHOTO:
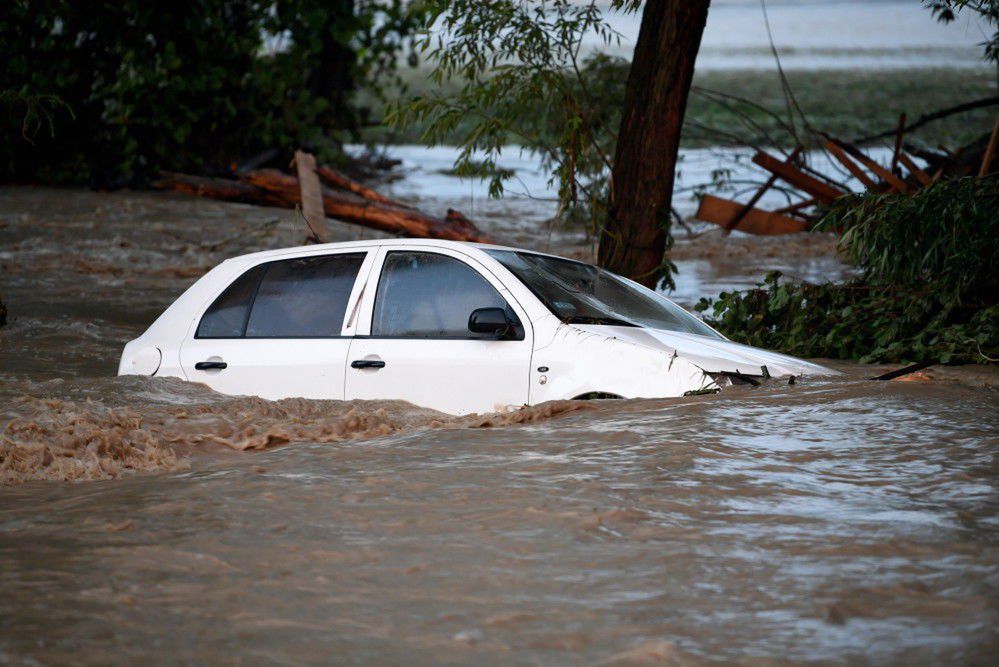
(633, 242)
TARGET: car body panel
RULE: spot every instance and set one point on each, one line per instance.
(710, 354)
(579, 362)
(453, 376)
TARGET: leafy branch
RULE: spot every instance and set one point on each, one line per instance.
(521, 78)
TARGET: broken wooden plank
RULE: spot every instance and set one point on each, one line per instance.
(893, 181)
(920, 175)
(809, 184)
(311, 196)
(748, 206)
(719, 211)
(990, 151)
(851, 166)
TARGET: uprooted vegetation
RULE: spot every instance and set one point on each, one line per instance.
(927, 292)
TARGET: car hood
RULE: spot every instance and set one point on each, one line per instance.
(713, 355)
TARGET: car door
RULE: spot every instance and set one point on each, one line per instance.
(417, 346)
(277, 330)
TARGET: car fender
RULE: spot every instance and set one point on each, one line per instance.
(578, 362)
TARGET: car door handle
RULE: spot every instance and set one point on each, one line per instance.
(210, 365)
(367, 363)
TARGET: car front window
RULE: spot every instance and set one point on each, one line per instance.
(579, 293)
(428, 295)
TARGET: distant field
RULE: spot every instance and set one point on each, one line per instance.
(852, 103)
(846, 103)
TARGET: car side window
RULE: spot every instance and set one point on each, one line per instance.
(305, 297)
(427, 295)
(226, 317)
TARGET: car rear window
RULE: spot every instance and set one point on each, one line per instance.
(226, 317)
(305, 297)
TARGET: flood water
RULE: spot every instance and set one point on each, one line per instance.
(839, 520)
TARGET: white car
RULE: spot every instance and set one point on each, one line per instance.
(457, 327)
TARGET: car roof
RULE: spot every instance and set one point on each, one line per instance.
(416, 243)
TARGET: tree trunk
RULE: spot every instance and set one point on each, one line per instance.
(634, 240)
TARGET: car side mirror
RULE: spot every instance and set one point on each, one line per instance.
(492, 321)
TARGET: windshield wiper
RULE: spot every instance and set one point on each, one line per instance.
(609, 321)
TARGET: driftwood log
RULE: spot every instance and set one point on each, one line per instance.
(359, 205)
(343, 182)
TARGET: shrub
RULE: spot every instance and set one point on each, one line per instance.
(928, 289)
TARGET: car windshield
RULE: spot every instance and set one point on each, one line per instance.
(579, 293)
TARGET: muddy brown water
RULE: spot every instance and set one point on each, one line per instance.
(833, 521)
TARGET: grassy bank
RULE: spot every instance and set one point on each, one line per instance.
(846, 103)
(852, 103)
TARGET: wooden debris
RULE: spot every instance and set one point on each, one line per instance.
(344, 182)
(850, 165)
(920, 175)
(896, 183)
(813, 186)
(219, 188)
(748, 206)
(719, 211)
(269, 187)
(990, 151)
(310, 194)
(352, 208)
(902, 175)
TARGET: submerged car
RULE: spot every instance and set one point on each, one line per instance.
(452, 326)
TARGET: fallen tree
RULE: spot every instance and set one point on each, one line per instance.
(358, 205)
